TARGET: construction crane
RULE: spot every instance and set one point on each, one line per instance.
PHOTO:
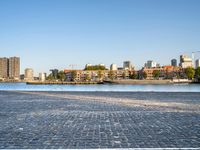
(72, 66)
(193, 54)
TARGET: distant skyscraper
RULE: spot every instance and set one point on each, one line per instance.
(113, 67)
(4, 67)
(150, 64)
(127, 65)
(197, 63)
(14, 68)
(42, 76)
(185, 61)
(174, 62)
(28, 75)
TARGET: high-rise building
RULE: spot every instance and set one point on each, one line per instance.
(14, 68)
(197, 63)
(4, 67)
(28, 75)
(127, 65)
(42, 76)
(185, 61)
(174, 62)
(113, 67)
(151, 64)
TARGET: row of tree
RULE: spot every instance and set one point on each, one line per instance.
(95, 67)
(189, 73)
(59, 76)
(193, 73)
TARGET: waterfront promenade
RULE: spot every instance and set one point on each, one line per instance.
(99, 120)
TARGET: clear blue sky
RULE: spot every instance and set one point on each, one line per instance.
(49, 34)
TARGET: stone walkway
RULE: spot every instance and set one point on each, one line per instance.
(99, 120)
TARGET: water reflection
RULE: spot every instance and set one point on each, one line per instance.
(102, 87)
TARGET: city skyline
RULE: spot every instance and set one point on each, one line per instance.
(54, 34)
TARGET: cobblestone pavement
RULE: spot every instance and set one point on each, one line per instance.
(99, 120)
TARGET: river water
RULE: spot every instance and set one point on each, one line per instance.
(102, 87)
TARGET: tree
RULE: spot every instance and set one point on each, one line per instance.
(190, 72)
(111, 75)
(50, 77)
(167, 74)
(133, 75)
(144, 75)
(124, 75)
(74, 75)
(87, 77)
(61, 75)
(96, 67)
(197, 73)
(100, 75)
(156, 74)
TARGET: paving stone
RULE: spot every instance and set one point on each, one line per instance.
(43, 121)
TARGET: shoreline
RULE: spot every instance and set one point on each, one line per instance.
(149, 82)
(128, 82)
(113, 82)
(59, 82)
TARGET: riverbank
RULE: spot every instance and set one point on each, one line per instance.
(101, 87)
(148, 81)
(60, 82)
(116, 82)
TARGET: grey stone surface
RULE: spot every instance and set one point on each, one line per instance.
(43, 120)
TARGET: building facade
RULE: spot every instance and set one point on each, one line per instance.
(174, 62)
(28, 74)
(127, 65)
(150, 64)
(113, 67)
(4, 68)
(185, 61)
(165, 72)
(197, 63)
(10, 68)
(14, 68)
(96, 75)
(42, 76)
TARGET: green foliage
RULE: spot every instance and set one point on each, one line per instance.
(190, 72)
(96, 67)
(144, 75)
(111, 75)
(197, 73)
(178, 75)
(50, 77)
(133, 75)
(100, 74)
(61, 75)
(87, 77)
(156, 74)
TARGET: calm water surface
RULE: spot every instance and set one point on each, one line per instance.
(102, 87)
